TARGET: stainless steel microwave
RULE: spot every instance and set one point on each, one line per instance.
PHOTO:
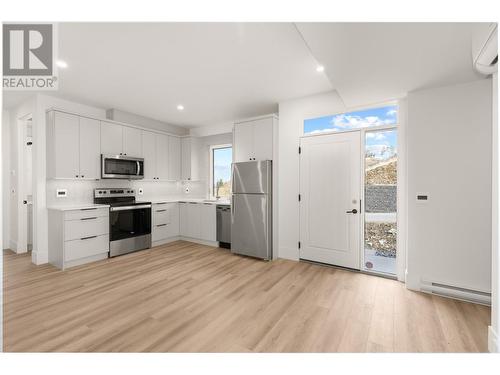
(122, 167)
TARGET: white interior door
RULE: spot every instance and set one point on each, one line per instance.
(330, 184)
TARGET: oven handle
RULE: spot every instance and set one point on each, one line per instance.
(126, 208)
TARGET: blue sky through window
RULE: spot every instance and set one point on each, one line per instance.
(382, 145)
(353, 120)
(223, 158)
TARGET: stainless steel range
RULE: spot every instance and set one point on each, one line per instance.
(129, 220)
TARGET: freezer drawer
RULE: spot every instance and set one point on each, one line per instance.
(251, 225)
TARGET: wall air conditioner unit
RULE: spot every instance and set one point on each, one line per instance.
(485, 49)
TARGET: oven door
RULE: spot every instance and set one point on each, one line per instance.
(123, 167)
(129, 221)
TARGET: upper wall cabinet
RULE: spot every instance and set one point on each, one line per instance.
(159, 157)
(174, 158)
(253, 140)
(72, 146)
(190, 149)
(117, 139)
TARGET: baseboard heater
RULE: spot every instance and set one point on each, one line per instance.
(451, 291)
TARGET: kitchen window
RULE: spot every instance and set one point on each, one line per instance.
(221, 157)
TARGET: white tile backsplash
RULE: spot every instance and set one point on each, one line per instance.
(82, 191)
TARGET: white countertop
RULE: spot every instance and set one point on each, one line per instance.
(82, 206)
(188, 200)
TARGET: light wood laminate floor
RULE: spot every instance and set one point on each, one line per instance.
(185, 297)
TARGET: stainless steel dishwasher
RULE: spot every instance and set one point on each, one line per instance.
(224, 225)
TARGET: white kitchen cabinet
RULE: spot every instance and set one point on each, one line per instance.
(63, 144)
(208, 227)
(161, 157)
(111, 138)
(72, 146)
(165, 222)
(243, 142)
(78, 236)
(183, 218)
(190, 149)
(132, 145)
(117, 139)
(174, 158)
(253, 140)
(194, 220)
(90, 152)
(149, 155)
(263, 139)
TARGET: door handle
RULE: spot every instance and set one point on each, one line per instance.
(353, 211)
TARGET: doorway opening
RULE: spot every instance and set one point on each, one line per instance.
(25, 185)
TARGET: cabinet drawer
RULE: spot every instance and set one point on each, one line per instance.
(85, 227)
(78, 249)
(86, 213)
(161, 215)
(161, 232)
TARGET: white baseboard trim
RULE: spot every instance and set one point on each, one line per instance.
(201, 242)
(165, 241)
(13, 245)
(493, 341)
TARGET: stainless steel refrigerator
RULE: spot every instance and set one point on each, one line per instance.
(251, 209)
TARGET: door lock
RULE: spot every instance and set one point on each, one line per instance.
(353, 211)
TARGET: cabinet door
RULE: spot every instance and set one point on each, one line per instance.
(149, 154)
(183, 219)
(173, 229)
(243, 142)
(66, 145)
(194, 217)
(263, 139)
(132, 145)
(111, 138)
(90, 152)
(208, 222)
(162, 156)
(174, 158)
(185, 158)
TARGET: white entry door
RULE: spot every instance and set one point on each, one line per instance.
(330, 173)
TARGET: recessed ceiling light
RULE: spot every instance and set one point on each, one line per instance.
(61, 64)
(180, 107)
(320, 68)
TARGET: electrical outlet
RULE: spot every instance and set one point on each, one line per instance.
(186, 189)
(61, 193)
(140, 191)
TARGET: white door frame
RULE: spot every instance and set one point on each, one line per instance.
(22, 209)
(401, 188)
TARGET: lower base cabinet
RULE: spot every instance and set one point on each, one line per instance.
(78, 236)
(198, 220)
(165, 222)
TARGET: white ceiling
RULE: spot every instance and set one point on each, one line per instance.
(225, 71)
(218, 71)
(374, 62)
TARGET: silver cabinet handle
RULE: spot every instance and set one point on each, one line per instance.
(161, 225)
(160, 210)
(89, 218)
(87, 238)
(88, 209)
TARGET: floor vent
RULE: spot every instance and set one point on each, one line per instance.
(463, 294)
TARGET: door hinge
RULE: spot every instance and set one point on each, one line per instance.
(299, 244)
(299, 197)
(300, 149)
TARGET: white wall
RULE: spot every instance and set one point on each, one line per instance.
(292, 114)
(493, 331)
(449, 158)
(205, 131)
(5, 122)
